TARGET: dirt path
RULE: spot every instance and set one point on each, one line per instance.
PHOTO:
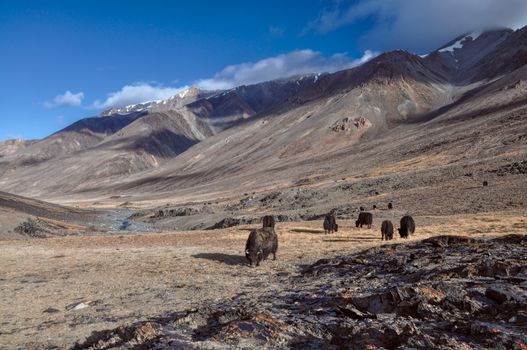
(126, 278)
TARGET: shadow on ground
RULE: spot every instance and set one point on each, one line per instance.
(306, 230)
(228, 259)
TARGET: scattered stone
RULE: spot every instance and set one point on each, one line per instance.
(31, 228)
(80, 306)
(440, 293)
(230, 222)
(185, 211)
(515, 168)
(51, 310)
(124, 225)
(499, 295)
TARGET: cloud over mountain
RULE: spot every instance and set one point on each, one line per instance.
(396, 22)
(137, 93)
(66, 99)
(281, 66)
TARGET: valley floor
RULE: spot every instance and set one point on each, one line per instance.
(56, 291)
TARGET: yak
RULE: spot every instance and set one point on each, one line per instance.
(386, 230)
(268, 221)
(364, 219)
(260, 244)
(407, 226)
(330, 223)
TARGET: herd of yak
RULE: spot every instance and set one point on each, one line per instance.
(264, 241)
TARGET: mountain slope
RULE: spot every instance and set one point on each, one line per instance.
(230, 107)
(16, 210)
(276, 134)
(314, 134)
(11, 146)
(76, 137)
(131, 139)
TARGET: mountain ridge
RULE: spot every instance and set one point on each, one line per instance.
(288, 120)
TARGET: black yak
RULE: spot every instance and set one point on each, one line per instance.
(260, 244)
(330, 223)
(386, 230)
(390, 205)
(364, 219)
(407, 226)
(268, 221)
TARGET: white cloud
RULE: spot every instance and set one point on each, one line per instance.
(422, 25)
(66, 99)
(281, 66)
(137, 93)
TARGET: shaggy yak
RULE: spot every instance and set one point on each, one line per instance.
(268, 221)
(386, 230)
(407, 226)
(260, 244)
(364, 219)
(330, 223)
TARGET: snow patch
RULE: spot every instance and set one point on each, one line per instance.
(475, 35)
(451, 48)
(459, 44)
(183, 93)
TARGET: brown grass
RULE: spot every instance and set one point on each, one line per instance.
(131, 277)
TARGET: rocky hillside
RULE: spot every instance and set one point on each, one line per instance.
(12, 146)
(395, 110)
(131, 139)
(22, 217)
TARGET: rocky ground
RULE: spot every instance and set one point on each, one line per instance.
(447, 191)
(446, 292)
(194, 289)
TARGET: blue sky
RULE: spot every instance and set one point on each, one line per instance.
(64, 60)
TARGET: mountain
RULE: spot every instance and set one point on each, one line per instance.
(398, 114)
(230, 107)
(461, 58)
(12, 146)
(135, 138)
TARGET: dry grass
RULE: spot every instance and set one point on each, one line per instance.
(62, 224)
(131, 277)
(411, 164)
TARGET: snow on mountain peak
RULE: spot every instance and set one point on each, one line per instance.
(183, 93)
(177, 100)
(459, 43)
